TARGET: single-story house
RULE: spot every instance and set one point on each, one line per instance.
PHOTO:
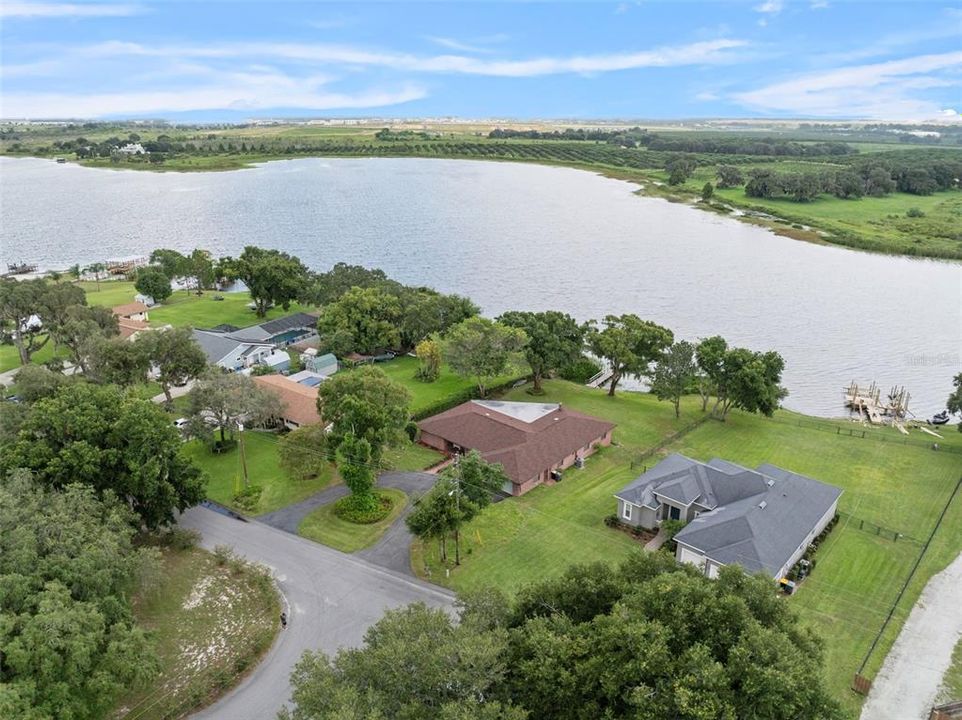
(300, 401)
(761, 519)
(132, 311)
(534, 442)
(131, 328)
(281, 331)
(230, 353)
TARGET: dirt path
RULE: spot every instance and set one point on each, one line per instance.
(909, 681)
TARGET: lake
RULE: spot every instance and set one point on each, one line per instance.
(514, 236)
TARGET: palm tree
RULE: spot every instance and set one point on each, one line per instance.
(96, 268)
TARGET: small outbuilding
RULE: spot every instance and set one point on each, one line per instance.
(132, 311)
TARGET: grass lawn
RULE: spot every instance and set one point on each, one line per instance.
(225, 477)
(952, 680)
(10, 358)
(411, 457)
(900, 486)
(210, 625)
(403, 369)
(323, 526)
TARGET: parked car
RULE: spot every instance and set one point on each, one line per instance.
(180, 423)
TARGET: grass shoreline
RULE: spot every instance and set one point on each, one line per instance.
(777, 220)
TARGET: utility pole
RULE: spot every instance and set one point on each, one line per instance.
(243, 455)
(457, 501)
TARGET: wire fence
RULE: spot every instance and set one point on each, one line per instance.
(871, 528)
(869, 433)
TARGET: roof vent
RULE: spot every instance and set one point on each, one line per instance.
(762, 505)
(769, 482)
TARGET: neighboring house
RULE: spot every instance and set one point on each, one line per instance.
(230, 353)
(147, 300)
(277, 361)
(132, 149)
(129, 329)
(300, 401)
(282, 331)
(534, 442)
(132, 311)
(761, 519)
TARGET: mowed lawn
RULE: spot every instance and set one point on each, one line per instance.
(323, 526)
(858, 574)
(210, 624)
(521, 540)
(226, 478)
(423, 395)
(900, 484)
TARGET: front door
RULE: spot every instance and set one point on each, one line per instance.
(674, 513)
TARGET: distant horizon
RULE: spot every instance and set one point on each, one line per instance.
(232, 61)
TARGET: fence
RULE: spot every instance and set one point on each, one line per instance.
(878, 530)
(641, 459)
(868, 434)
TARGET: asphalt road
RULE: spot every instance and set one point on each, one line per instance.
(333, 599)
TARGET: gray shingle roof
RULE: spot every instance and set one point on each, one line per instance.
(215, 345)
(761, 532)
(756, 518)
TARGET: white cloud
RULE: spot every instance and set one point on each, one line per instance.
(770, 7)
(13, 9)
(818, 4)
(706, 52)
(879, 90)
(249, 91)
(452, 44)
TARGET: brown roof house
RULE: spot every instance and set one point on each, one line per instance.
(132, 311)
(534, 442)
(300, 401)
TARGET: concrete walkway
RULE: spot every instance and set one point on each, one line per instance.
(909, 681)
(656, 542)
(175, 392)
(392, 550)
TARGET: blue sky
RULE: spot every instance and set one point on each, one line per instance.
(645, 60)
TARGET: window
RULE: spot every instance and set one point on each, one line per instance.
(626, 514)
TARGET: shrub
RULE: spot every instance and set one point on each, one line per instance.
(412, 430)
(349, 510)
(914, 213)
(181, 538)
(612, 520)
(223, 553)
(581, 370)
(248, 498)
(671, 528)
(221, 446)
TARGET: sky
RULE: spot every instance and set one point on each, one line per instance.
(231, 61)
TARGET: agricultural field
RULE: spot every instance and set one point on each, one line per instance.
(897, 484)
(211, 623)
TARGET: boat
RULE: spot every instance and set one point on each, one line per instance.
(940, 418)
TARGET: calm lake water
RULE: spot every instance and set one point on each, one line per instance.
(515, 236)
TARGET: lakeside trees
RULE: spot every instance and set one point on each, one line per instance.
(362, 320)
(154, 283)
(738, 377)
(629, 344)
(273, 277)
(674, 373)
(482, 349)
(555, 340)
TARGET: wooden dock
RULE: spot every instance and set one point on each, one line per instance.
(868, 404)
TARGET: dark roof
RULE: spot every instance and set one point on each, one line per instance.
(223, 328)
(500, 432)
(686, 481)
(217, 346)
(759, 517)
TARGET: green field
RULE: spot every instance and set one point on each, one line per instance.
(410, 457)
(887, 481)
(200, 605)
(323, 526)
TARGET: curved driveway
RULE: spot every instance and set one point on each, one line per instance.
(333, 599)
